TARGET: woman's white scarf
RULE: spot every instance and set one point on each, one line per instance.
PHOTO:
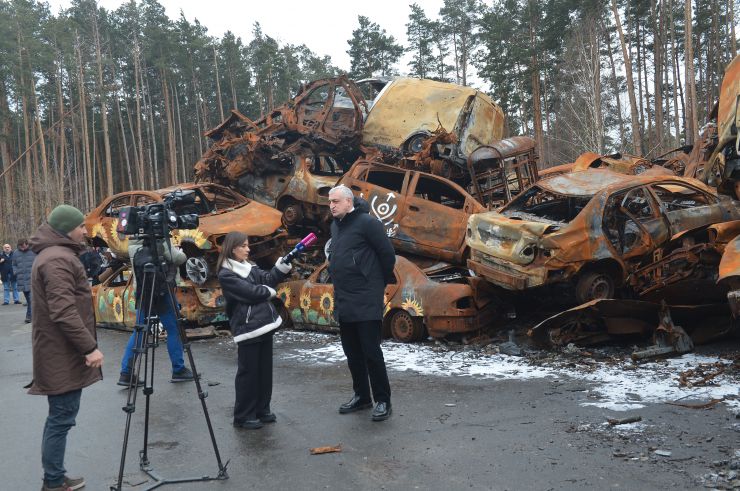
(241, 268)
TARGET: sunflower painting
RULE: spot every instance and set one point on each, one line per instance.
(195, 236)
(118, 309)
(326, 304)
(412, 306)
(283, 294)
(305, 300)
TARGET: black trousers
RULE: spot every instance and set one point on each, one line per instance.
(253, 381)
(361, 344)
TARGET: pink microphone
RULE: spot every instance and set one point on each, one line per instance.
(300, 247)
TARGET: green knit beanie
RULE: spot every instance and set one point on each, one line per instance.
(65, 218)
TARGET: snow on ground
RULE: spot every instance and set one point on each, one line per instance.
(619, 386)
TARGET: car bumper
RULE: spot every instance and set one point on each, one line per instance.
(503, 274)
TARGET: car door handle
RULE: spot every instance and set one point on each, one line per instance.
(281, 180)
(413, 208)
(355, 188)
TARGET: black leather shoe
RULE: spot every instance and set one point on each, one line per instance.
(267, 418)
(355, 404)
(250, 424)
(382, 411)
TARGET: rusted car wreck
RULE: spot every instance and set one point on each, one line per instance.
(437, 302)
(598, 230)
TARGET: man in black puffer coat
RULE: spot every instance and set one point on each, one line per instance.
(361, 260)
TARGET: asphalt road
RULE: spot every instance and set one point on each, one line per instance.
(450, 432)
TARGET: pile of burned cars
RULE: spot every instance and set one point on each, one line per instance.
(476, 224)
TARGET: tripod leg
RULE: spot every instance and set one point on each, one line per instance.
(201, 393)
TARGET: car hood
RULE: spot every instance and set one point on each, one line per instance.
(253, 219)
(506, 238)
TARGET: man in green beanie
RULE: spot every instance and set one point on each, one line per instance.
(66, 357)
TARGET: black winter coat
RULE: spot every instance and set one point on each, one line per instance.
(22, 265)
(248, 306)
(6, 267)
(361, 264)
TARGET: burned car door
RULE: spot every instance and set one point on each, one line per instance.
(686, 207)
(383, 189)
(317, 300)
(435, 217)
(632, 224)
(115, 299)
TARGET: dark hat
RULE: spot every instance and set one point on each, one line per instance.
(65, 218)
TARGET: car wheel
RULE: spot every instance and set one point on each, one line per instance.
(595, 285)
(416, 143)
(405, 328)
(196, 269)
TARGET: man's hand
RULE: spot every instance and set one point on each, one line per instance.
(94, 359)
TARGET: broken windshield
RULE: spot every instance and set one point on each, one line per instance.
(544, 206)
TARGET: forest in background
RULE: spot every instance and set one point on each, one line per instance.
(95, 102)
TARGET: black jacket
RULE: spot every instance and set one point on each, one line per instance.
(248, 306)
(6, 267)
(361, 261)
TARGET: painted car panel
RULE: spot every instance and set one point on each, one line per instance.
(310, 303)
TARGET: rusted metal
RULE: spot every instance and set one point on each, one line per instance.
(220, 211)
(115, 298)
(668, 338)
(593, 229)
(729, 274)
(423, 214)
(407, 110)
(415, 302)
(601, 321)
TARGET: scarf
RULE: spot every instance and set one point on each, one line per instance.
(242, 269)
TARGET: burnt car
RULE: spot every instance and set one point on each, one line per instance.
(114, 301)
(423, 214)
(438, 303)
(220, 211)
(592, 230)
(406, 111)
(729, 275)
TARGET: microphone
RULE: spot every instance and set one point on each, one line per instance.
(300, 247)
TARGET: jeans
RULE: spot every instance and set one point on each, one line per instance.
(174, 344)
(8, 286)
(28, 304)
(63, 410)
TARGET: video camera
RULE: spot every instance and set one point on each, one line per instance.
(155, 220)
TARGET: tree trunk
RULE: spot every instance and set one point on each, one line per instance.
(218, 85)
(5, 159)
(615, 88)
(658, 76)
(636, 137)
(26, 131)
(535, 71)
(89, 169)
(103, 109)
(137, 91)
(640, 99)
(691, 127)
(62, 137)
(674, 75)
(179, 132)
(42, 145)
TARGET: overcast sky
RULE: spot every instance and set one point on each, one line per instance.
(322, 25)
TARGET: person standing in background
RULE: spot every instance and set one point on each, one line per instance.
(23, 259)
(8, 276)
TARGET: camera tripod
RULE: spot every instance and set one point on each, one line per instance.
(146, 340)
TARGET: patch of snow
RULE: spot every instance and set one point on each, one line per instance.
(614, 387)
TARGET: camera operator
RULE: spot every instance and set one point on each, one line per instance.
(161, 305)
